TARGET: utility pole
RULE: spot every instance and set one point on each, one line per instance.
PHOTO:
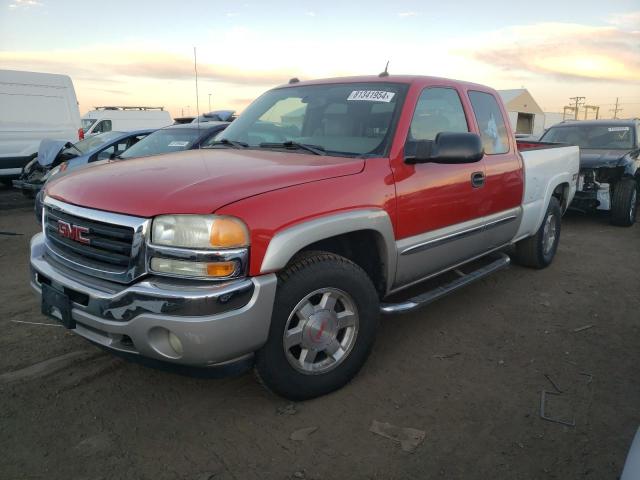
(616, 110)
(595, 108)
(578, 101)
(209, 102)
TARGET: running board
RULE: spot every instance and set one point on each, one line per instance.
(437, 293)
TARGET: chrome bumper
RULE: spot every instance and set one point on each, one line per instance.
(216, 323)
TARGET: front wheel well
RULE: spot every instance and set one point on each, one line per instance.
(365, 248)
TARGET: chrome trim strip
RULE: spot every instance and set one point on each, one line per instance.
(456, 236)
(238, 255)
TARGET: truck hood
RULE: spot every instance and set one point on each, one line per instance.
(193, 181)
(601, 158)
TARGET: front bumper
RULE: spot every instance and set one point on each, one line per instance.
(216, 323)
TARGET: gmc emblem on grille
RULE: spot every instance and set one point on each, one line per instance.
(73, 232)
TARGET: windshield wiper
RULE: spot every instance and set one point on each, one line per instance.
(229, 143)
(315, 149)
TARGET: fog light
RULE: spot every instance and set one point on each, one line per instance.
(175, 343)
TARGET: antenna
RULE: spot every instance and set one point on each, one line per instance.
(195, 67)
(386, 70)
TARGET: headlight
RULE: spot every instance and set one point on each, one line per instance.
(199, 232)
(199, 246)
(51, 173)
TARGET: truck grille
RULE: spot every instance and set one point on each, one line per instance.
(109, 245)
(100, 244)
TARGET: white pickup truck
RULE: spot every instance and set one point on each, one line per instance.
(282, 243)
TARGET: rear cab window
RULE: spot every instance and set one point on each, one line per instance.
(491, 124)
(439, 109)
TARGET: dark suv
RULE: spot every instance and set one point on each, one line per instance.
(609, 165)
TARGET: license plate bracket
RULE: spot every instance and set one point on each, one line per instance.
(57, 305)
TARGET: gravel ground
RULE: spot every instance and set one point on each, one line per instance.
(468, 371)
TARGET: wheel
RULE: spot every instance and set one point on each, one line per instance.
(538, 251)
(624, 202)
(323, 326)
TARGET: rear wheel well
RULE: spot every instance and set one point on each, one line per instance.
(365, 248)
(561, 192)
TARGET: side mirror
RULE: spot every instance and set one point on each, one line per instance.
(448, 147)
(113, 156)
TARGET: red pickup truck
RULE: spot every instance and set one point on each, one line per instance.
(282, 243)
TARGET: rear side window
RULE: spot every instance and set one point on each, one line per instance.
(438, 110)
(103, 126)
(493, 130)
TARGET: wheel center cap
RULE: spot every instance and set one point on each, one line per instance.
(321, 329)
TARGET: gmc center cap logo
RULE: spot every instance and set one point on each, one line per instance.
(73, 232)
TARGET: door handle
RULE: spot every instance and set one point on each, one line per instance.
(477, 179)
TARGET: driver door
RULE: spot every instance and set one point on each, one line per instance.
(439, 206)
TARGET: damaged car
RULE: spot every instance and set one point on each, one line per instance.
(55, 156)
(609, 165)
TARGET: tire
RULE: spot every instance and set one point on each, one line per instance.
(624, 202)
(334, 343)
(538, 251)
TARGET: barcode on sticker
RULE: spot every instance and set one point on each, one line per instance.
(371, 95)
(618, 129)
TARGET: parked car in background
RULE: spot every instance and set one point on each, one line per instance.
(175, 138)
(282, 241)
(216, 116)
(609, 165)
(124, 119)
(55, 156)
(33, 106)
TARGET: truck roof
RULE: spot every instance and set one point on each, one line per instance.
(627, 121)
(407, 79)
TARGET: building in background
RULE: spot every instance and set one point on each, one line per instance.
(525, 114)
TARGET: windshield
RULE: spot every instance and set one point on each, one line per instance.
(592, 136)
(91, 143)
(163, 141)
(86, 124)
(350, 119)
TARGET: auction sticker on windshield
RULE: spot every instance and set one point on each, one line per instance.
(177, 143)
(371, 95)
(618, 129)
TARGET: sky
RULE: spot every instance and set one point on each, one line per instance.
(141, 52)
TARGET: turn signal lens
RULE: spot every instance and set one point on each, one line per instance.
(220, 269)
(228, 232)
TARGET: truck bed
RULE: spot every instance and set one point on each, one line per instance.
(545, 164)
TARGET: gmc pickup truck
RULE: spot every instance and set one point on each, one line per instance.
(280, 244)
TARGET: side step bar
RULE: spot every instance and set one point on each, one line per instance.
(463, 280)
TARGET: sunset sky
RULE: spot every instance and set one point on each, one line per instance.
(141, 53)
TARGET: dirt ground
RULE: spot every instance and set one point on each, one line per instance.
(468, 370)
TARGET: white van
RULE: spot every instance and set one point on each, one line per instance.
(33, 106)
(124, 119)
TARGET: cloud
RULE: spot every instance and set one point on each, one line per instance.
(20, 4)
(109, 64)
(564, 50)
(310, 14)
(626, 20)
(408, 14)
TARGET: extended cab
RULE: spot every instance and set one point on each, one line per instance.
(282, 242)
